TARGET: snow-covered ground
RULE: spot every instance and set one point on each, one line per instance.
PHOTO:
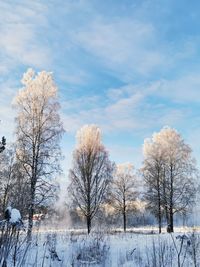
(58, 248)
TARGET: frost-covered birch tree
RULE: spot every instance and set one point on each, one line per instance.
(38, 133)
(153, 170)
(179, 174)
(91, 172)
(169, 173)
(123, 190)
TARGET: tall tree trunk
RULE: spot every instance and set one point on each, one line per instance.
(159, 220)
(171, 215)
(30, 222)
(166, 213)
(88, 223)
(124, 214)
(5, 199)
(88, 216)
(124, 220)
(165, 199)
(159, 204)
(31, 212)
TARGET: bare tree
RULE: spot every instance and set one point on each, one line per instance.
(179, 174)
(169, 172)
(123, 191)
(91, 172)
(38, 132)
(152, 172)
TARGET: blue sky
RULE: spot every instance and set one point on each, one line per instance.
(129, 66)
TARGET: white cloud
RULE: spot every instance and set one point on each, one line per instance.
(124, 45)
(185, 89)
(7, 114)
(19, 31)
(131, 110)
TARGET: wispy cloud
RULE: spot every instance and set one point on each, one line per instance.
(131, 109)
(19, 32)
(124, 45)
(184, 89)
(128, 67)
(7, 114)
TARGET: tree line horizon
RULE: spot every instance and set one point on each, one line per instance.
(29, 168)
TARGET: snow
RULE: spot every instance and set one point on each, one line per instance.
(64, 248)
(15, 216)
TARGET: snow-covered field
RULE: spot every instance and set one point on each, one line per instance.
(58, 248)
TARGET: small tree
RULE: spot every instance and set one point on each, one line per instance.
(14, 185)
(91, 172)
(7, 176)
(38, 132)
(123, 191)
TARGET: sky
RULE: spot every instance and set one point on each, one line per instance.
(130, 66)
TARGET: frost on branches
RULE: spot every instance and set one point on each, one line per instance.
(169, 172)
(91, 172)
(89, 138)
(39, 130)
(123, 191)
